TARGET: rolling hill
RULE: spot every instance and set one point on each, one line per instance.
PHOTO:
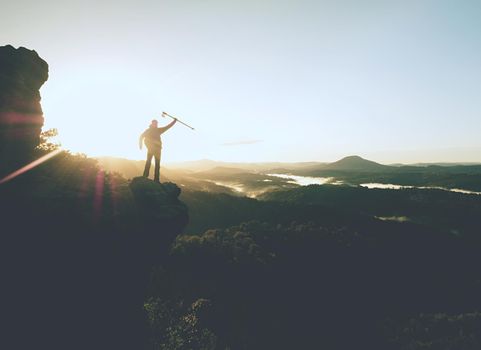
(356, 163)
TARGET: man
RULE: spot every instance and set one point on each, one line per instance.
(152, 140)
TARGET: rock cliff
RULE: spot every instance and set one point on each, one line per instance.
(22, 73)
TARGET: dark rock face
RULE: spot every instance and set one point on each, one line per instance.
(161, 217)
(22, 73)
(152, 197)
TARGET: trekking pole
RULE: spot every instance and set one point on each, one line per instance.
(164, 114)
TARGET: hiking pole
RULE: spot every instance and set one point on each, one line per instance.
(164, 114)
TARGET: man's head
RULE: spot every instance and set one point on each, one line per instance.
(154, 123)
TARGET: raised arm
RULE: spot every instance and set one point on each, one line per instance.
(168, 126)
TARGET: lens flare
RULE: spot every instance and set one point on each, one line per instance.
(30, 166)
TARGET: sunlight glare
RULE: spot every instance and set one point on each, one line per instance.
(30, 166)
(98, 114)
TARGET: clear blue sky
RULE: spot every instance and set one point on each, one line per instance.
(393, 81)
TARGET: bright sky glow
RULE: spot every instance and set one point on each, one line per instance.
(269, 80)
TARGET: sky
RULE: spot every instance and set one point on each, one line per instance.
(265, 80)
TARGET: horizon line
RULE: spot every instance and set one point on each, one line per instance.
(170, 163)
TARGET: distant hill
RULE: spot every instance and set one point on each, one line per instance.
(350, 164)
(207, 164)
(442, 164)
(222, 170)
(356, 163)
(196, 165)
(133, 168)
(128, 168)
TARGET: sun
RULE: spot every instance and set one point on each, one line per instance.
(98, 113)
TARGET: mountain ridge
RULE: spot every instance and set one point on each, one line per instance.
(356, 163)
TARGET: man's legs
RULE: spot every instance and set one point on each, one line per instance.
(157, 167)
(148, 162)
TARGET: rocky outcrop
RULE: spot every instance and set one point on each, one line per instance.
(22, 73)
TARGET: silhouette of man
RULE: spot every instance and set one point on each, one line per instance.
(151, 138)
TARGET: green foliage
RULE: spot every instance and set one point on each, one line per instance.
(175, 327)
(259, 243)
(437, 332)
(46, 143)
(441, 210)
(305, 285)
